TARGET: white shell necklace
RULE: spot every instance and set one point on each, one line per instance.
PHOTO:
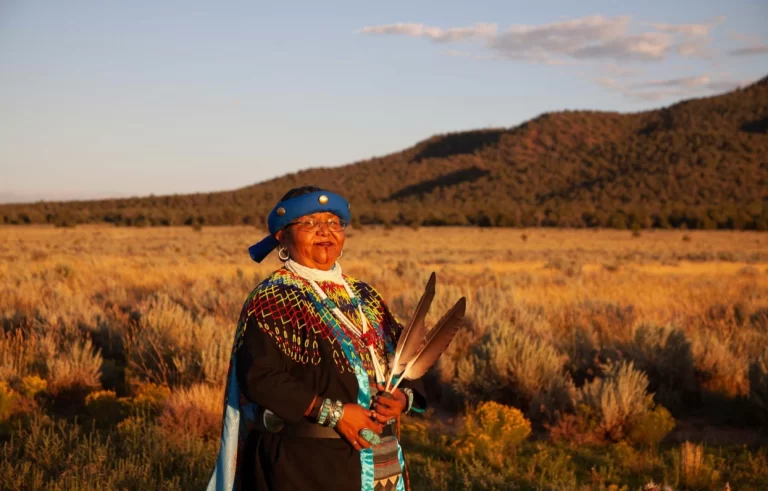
(334, 276)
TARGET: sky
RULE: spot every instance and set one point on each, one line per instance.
(109, 98)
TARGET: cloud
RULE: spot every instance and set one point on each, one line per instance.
(660, 89)
(759, 49)
(435, 34)
(752, 45)
(558, 38)
(611, 46)
(690, 30)
(688, 82)
(644, 47)
(587, 38)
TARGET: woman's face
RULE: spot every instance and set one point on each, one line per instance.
(319, 248)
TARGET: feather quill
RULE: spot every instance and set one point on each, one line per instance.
(435, 343)
(413, 334)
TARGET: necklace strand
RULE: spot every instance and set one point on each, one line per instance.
(335, 276)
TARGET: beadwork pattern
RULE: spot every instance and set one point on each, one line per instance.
(287, 308)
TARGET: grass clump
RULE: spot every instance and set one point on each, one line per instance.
(195, 411)
(74, 370)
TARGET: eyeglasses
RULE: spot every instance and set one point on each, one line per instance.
(312, 225)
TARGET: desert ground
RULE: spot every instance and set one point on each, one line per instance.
(590, 359)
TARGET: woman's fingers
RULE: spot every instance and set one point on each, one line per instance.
(384, 411)
(354, 438)
(386, 401)
(381, 418)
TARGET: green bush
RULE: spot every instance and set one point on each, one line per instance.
(651, 427)
(665, 354)
(514, 368)
(170, 346)
(491, 432)
(617, 400)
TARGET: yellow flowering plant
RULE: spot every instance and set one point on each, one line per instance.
(491, 432)
(33, 385)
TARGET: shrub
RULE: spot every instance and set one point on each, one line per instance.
(103, 405)
(75, 368)
(617, 400)
(19, 354)
(195, 411)
(651, 427)
(149, 398)
(33, 385)
(491, 432)
(514, 368)
(169, 346)
(131, 426)
(215, 358)
(665, 355)
(719, 370)
(692, 468)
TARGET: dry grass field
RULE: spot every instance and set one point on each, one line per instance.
(589, 360)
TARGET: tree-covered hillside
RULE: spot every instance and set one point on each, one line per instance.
(700, 164)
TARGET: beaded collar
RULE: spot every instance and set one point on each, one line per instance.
(367, 334)
(333, 275)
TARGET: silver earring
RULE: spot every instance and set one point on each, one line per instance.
(341, 253)
(280, 251)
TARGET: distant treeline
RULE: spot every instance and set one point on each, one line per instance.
(699, 164)
(620, 217)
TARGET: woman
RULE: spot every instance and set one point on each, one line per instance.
(310, 358)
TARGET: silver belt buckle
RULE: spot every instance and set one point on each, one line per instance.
(272, 422)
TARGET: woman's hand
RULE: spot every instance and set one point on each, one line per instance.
(387, 408)
(354, 419)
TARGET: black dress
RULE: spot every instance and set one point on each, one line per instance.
(290, 347)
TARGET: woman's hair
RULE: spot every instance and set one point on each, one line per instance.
(300, 191)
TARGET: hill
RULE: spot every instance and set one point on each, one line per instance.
(701, 163)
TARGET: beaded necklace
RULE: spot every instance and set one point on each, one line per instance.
(368, 335)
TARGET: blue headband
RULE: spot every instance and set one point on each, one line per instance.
(289, 210)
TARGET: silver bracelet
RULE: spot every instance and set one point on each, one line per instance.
(409, 393)
(336, 414)
(325, 412)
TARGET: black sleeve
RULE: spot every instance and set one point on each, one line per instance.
(263, 370)
(419, 399)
